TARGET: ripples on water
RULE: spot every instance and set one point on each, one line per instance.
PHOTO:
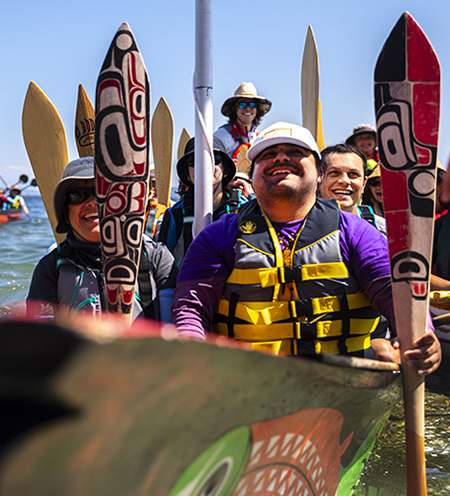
(22, 245)
(24, 242)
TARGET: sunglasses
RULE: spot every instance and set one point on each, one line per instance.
(242, 105)
(375, 183)
(79, 195)
(217, 160)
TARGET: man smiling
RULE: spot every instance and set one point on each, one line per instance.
(290, 272)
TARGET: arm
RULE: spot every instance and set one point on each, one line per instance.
(42, 299)
(205, 270)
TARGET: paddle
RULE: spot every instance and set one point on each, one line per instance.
(311, 106)
(162, 144)
(84, 124)
(46, 144)
(407, 101)
(22, 179)
(122, 169)
(184, 138)
(33, 183)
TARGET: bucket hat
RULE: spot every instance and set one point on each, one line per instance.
(80, 169)
(246, 90)
(361, 129)
(229, 167)
(283, 132)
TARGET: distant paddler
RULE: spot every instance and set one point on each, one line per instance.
(70, 278)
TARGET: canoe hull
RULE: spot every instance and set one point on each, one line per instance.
(163, 417)
(9, 216)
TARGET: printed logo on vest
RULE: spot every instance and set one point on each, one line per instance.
(247, 227)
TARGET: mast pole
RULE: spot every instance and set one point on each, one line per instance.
(203, 204)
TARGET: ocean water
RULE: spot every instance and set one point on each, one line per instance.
(24, 242)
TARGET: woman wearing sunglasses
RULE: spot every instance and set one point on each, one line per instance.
(373, 193)
(71, 275)
(244, 111)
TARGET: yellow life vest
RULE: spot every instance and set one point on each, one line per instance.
(294, 302)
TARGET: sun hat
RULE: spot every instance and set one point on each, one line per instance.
(361, 129)
(80, 169)
(246, 90)
(229, 167)
(375, 173)
(282, 132)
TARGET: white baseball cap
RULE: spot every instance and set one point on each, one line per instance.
(282, 132)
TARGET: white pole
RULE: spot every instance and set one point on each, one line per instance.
(203, 204)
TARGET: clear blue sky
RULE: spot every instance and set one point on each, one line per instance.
(62, 44)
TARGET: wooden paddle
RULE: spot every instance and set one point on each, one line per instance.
(84, 124)
(310, 80)
(162, 144)
(243, 163)
(46, 144)
(407, 105)
(184, 138)
(122, 166)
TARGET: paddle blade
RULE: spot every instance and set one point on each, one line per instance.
(122, 166)
(310, 84)
(243, 163)
(46, 144)
(84, 124)
(184, 138)
(162, 143)
(407, 104)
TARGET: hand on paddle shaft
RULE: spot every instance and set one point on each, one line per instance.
(425, 355)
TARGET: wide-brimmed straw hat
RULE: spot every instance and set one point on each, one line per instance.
(229, 167)
(246, 90)
(361, 129)
(80, 169)
(375, 173)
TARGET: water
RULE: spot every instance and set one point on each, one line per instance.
(24, 242)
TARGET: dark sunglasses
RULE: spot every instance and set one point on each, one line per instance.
(79, 195)
(242, 105)
(375, 183)
(217, 160)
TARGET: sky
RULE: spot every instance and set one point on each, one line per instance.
(60, 45)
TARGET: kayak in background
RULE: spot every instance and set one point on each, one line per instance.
(10, 215)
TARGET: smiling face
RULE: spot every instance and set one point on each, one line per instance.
(366, 143)
(285, 172)
(246, 115)
(375, 189)
(343, 180)
(83, 218)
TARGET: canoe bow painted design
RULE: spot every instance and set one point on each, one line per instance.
(122, 165)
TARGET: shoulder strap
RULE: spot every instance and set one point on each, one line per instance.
(367, 214)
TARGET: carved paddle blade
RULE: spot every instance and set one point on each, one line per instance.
(122, 165)
(84, 124)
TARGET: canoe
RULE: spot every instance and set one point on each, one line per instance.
(147, 414)
(10, 215)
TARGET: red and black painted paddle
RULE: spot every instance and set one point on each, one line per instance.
(407, 104)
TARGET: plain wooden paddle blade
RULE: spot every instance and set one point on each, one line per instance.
(407, 105)
(84, 124)
(122, 165)
(320, 138)
(310, 84)
(184, 138)
(162, 143)
(46, 144)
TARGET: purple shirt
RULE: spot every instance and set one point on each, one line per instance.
(210, 260)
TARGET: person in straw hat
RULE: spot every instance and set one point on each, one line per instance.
(364, 137)
(373, 192)
(244, 110)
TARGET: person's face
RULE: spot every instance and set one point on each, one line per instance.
(217, 170)
(375, 189)
(285, 171)
(365, 142)
(83, 218)
(245, 115)
(344, 180)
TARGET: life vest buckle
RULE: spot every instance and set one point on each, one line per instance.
(288, 274)
(300, 308)
(307, 331)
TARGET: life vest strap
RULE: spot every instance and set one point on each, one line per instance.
(272, 276)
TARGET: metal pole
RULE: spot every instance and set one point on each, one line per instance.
(203, 204)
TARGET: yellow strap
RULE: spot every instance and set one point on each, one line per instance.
(275, 311)
(353, 344)
(269, 276)
(291, 330)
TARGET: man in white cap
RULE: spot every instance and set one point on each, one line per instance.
(290, 272)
